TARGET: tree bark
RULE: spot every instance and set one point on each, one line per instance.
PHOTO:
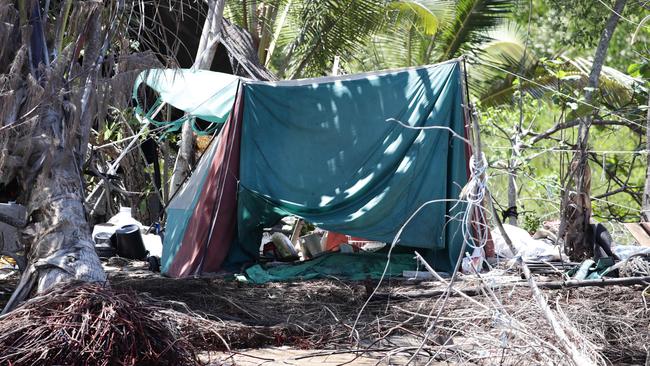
(576, 203)
(204, 56)
(57, 237)
(512, 177)
(645, 210)
(59, 100)
(512, 191)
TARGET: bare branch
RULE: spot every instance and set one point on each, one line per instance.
(565, 125)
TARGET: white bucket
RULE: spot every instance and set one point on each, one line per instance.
(311, 245)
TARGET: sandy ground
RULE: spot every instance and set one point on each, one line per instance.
(292, 357)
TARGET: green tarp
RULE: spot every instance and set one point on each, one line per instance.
(333, 153)
(356, 154)
(204, 94)
(343, 266)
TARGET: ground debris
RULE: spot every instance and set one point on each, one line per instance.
(613, 322)
(230, 322)
(89, 324)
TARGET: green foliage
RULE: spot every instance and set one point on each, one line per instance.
(470, 25)
(422, 16)
(640, 70)
(316, 31)
(112, 131)
(578, 23)
(531, 222)
(541, 167)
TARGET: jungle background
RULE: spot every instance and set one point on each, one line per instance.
(539, 72)
(528, 65)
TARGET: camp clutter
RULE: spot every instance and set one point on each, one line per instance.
(359, 167)
(126, 237)
(343, 215)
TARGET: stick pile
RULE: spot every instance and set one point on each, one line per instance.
(92, 324)
(498, 325)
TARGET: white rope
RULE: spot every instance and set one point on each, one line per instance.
(474, 193)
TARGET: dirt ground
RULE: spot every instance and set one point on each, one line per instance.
(322, 321)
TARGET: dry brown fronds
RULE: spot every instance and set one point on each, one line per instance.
(613, 324)
(91, 324)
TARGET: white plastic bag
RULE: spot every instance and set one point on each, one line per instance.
(527, 247)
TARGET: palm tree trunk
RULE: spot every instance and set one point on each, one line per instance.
(51, 148)
(57, 239)
(204, 56)
(266, 29)
(577, 218)
(56, 236)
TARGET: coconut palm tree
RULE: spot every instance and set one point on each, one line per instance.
(298, 38)
(63, 63)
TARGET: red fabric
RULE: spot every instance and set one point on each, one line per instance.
(211, 229)
(334, 240)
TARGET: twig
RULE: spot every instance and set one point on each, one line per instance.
(577, 357)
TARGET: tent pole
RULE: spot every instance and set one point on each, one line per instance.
(569, 346)
(475, 139)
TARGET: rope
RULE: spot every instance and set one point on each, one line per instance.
(474, 193)
(636, 266)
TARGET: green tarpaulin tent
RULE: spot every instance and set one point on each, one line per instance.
(355, 154)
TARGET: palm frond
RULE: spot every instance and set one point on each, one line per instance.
(616, 88)
(407, 34)
(470, 25)
(320, 32)
(428, 15)
(505, 49)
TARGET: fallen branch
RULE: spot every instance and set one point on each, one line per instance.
(552, 285)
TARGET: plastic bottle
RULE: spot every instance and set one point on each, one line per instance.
(123, 217)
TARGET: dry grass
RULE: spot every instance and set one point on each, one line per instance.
(508, 327)
(504, 327)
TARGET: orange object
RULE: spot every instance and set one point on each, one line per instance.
(334, 240)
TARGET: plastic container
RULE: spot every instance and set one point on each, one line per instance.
(102, 237)
(104, 246)
(104, 250)
(123, 218)
(129, 242)
(312, 245)
(583, 270)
